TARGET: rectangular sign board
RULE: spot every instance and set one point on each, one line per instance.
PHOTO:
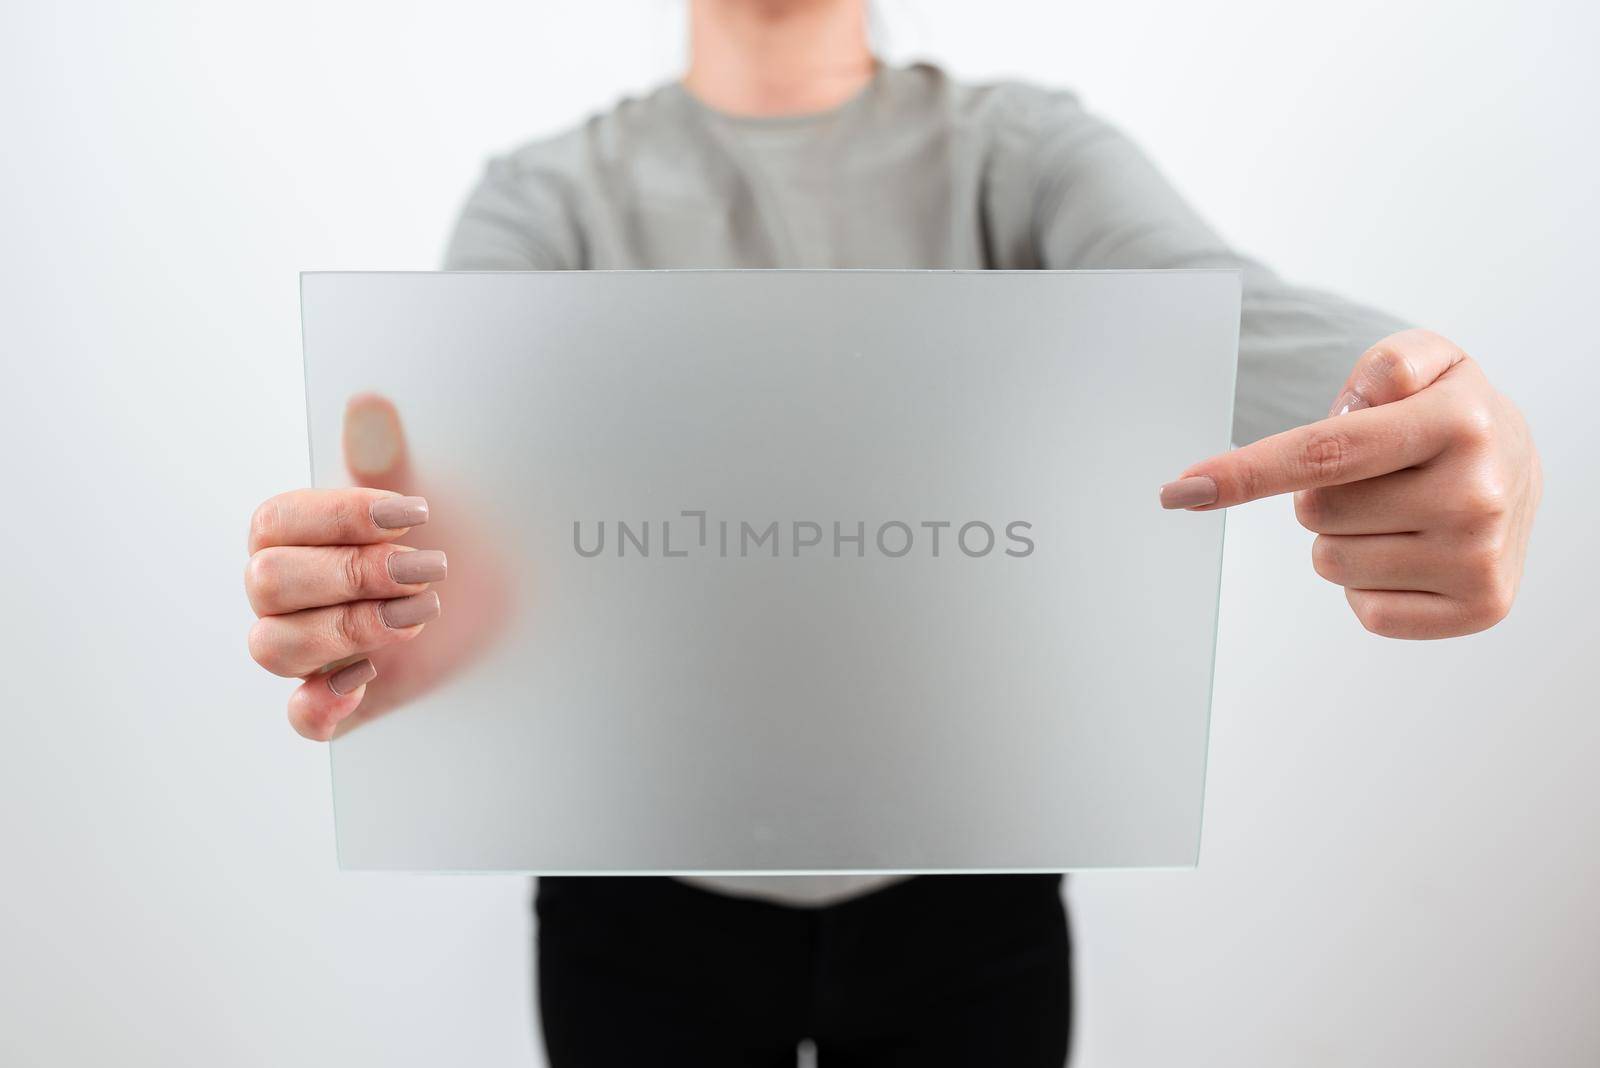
(785, 571)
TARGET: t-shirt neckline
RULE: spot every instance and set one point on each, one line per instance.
(791, 121)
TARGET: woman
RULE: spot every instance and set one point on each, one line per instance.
(788, 145)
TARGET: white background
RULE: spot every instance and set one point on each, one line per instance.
(1402, 852)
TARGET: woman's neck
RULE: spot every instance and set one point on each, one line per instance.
(777, 57)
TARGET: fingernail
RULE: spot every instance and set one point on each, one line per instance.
(1189, 492)
(424, 565)
(392, 513)
(1349, 401)
(403, 612)
(350, 679)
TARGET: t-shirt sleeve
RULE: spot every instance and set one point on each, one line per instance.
(1101, 202)
(515, 219)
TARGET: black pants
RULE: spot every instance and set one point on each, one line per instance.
(935, 970)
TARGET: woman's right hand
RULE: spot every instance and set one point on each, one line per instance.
(330, 586)
(340, 602)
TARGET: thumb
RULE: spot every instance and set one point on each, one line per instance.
(1395, 368)
(375, 444)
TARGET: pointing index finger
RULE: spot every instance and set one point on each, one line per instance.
(1360, 444)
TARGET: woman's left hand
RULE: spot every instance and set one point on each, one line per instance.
(1421, 487)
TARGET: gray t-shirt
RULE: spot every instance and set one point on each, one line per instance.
(916, 170)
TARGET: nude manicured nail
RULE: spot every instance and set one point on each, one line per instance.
(351, 678)
(1189, 492)
(392, 513)
(403, 612)
(424, 565)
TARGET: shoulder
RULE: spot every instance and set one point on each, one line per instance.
(599, 140)
(547, 201)
(1004, 107)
